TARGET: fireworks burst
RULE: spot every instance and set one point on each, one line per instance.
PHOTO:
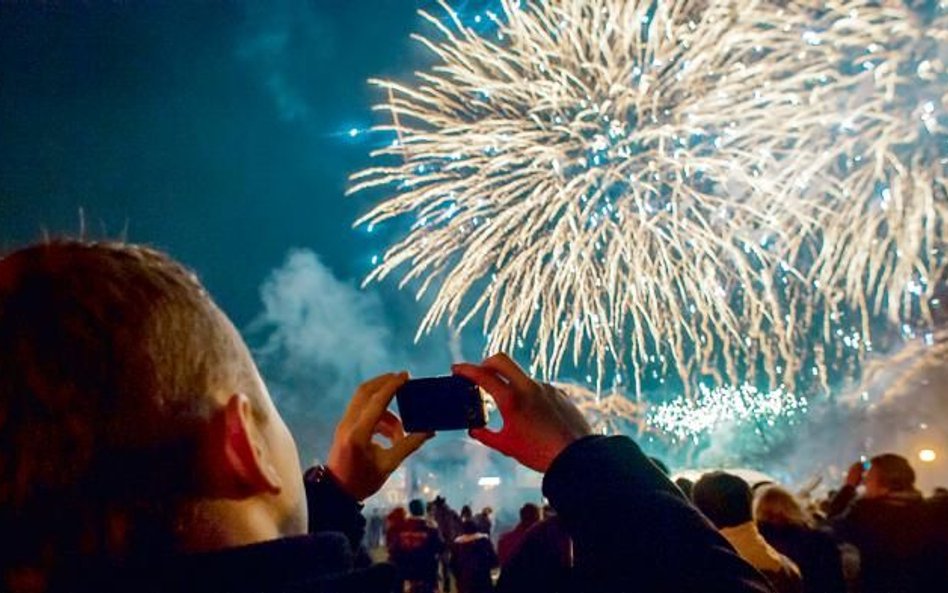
(689, 419)
(645, 182)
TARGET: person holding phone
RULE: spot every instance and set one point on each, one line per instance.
(141, 451)
(900, 535)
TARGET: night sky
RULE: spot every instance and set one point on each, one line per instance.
(215, 130)
(220, 132)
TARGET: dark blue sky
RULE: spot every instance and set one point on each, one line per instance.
(215, 130)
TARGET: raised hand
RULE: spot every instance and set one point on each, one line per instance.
(359, 464)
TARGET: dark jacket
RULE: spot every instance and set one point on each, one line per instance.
(633, 530)
(899, 537)
(814, 552)
(320, 563)
(327, 561)
(472, 558)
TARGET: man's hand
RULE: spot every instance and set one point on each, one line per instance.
(359, 463)
(854, 477)
(539, 421)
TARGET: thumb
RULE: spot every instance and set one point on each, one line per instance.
(405, 447)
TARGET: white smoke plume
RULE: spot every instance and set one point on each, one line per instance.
(316, 339)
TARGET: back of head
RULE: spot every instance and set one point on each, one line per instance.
(529, 513)
(108, 353)
(468, 527)
(686, 486)
(893, 472)
(724, 498)
(416, 507)
(776, 506)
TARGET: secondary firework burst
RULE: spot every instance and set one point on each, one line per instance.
(736, 407)
(621, 190)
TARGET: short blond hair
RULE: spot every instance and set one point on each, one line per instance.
(777, 506)
(108, 355)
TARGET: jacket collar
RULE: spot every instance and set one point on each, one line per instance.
(320, 562)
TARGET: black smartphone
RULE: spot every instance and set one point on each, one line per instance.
(441, 403)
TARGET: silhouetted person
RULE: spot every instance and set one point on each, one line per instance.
(416, 549)
(448, 522)
(483, 521)
(786, 526)
(726, 500)
(472, 558)
(510, 541)
(375, 530)
(899, 535)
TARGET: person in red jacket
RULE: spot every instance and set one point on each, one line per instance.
(415, 550)
(510, 541)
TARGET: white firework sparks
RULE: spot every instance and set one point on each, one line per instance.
(883, 235)
(727, 406)
(595, 185)
(643, 182)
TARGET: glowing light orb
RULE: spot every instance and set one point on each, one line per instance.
(927, 455)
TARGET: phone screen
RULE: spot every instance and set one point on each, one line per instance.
(441, 403)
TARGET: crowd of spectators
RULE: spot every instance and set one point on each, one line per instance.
(887, 538)
(141, 451)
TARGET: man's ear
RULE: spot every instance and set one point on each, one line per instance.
(245, 454)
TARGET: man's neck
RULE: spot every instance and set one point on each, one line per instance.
(219, 524)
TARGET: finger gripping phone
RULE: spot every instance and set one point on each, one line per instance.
(440, 403)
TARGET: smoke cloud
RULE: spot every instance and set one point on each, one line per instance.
(316, 339)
